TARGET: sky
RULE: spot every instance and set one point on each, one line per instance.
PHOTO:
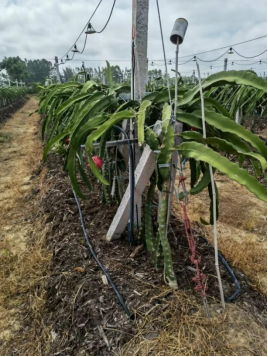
(44, 29)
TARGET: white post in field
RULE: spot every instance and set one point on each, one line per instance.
(238, 116)
(193, 77)
(57, 69)
(225, 64)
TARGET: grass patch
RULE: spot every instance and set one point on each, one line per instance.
(5, 137)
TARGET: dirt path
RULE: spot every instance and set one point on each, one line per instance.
(22, 255)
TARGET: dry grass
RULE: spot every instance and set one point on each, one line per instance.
(177, 327)
(24, 259)
(22, 295)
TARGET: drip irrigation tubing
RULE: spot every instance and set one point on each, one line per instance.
(226, 265)
(117, 293)
(132, 185)
(229, 270)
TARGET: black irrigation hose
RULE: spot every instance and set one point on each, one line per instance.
(119, 296)
(132, 185)
(229, 270)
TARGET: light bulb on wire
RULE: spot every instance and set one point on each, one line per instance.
(75, 49)
(90, 30)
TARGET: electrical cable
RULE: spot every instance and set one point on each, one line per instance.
(222, 48)
(108, 19)
(119, 296)
(245, 64)
(83, 28)
(132, 185)
(249, 56)
(214, 59)
(84, 45)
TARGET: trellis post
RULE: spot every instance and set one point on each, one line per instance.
(225, 64)
(144, 163)
(57, 69)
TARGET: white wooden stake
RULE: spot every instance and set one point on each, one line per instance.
(143, 173)
(225, 64)
(238, 116)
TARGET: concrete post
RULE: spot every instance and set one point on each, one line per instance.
(140, 12)
(57, 69)
(225, 64)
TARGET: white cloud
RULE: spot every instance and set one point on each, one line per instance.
(42, 29)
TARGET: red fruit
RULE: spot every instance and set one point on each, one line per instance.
(193, 128)
(67, 141)
(98, 161)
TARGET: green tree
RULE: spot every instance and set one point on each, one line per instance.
(15, 67)
(68, 73)
(38, 70)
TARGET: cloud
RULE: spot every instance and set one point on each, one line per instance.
(42, 29)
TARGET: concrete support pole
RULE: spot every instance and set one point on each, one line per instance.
(225, 64)
(140, 13)
(193, 78)
(57, 69)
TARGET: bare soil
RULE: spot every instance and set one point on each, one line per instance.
(59, 303)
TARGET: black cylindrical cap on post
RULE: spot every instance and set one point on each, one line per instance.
(178, 31)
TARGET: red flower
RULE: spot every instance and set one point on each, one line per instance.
(193, 128)
(98, 161)
(67, 141)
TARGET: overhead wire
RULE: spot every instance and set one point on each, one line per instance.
(164, 52)
(83, 28)
(222, 48)
(212, 60)
(249, 56)
(108, 19)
